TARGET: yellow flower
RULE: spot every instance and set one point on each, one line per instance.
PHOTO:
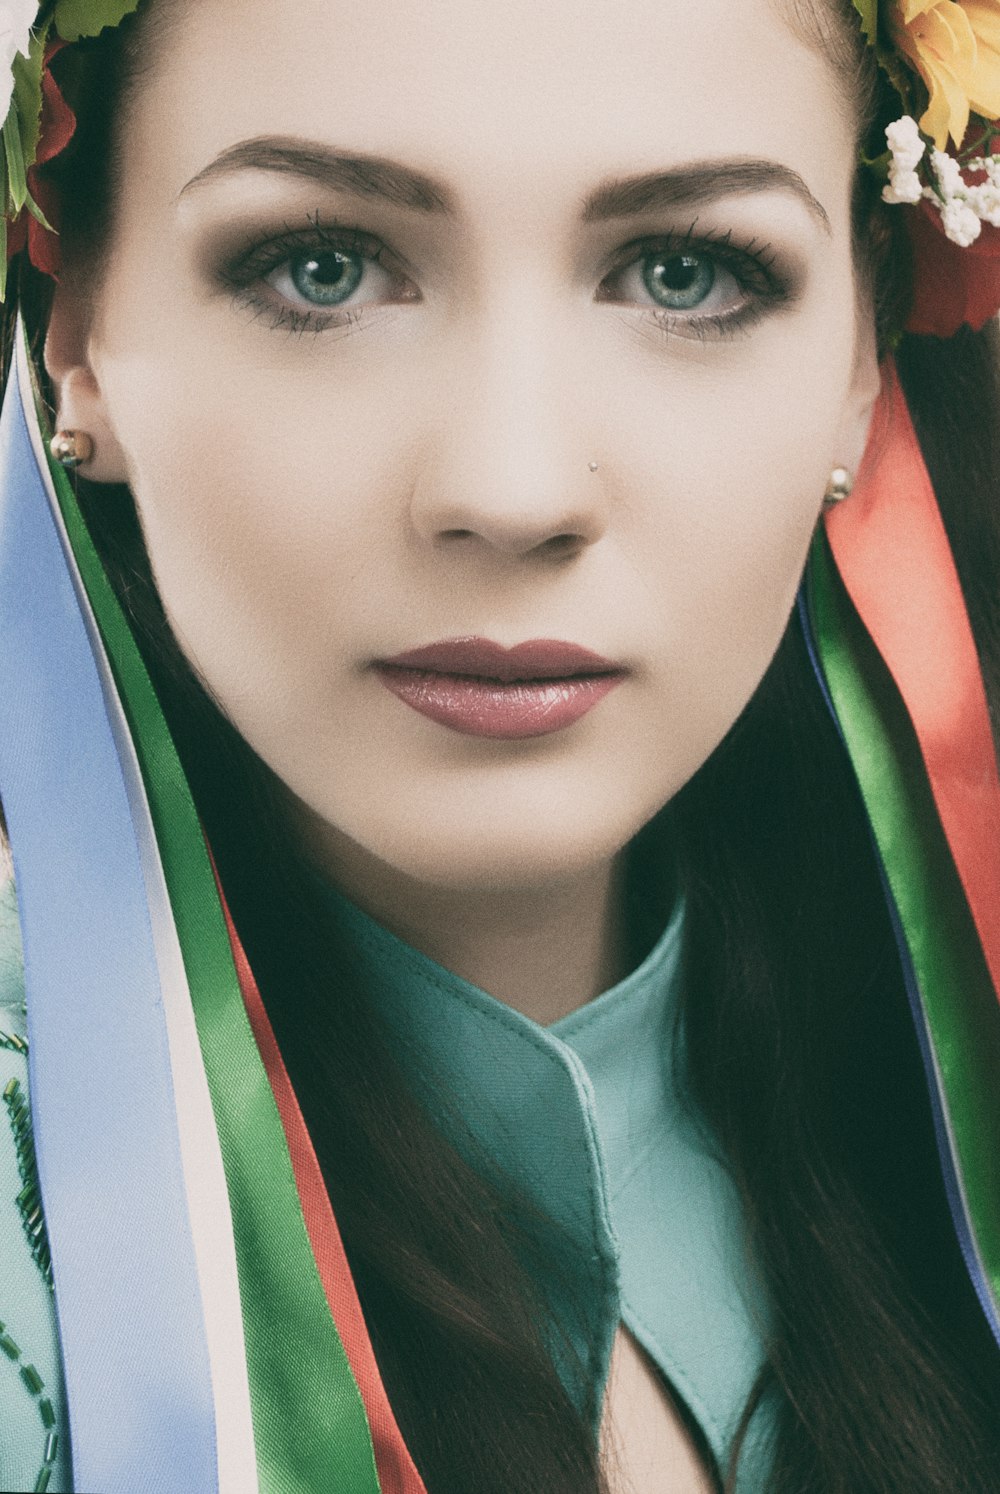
(955, 47)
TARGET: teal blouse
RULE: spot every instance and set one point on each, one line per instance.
(586, 1115)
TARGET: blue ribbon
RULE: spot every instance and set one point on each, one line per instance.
(127, 1294)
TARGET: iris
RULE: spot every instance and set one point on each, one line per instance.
(326, 279)
(678, 281)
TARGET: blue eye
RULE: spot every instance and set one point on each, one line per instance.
(333, 276)
(697, 286)
(325, 278)
(678, 282)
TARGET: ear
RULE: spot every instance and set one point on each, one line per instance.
(79, 401)
(863, 394)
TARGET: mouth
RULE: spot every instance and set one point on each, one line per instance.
(481, 689)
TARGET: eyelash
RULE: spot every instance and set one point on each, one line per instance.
(751, 264)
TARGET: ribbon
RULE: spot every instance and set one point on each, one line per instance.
(138, 1382)
(894, 653)
(892, 553)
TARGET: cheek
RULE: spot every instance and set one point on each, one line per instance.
(265, 510)
(738, 467)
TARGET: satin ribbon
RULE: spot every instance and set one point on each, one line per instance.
(305, 1427)
(892, 553)
(891, 643)
(138, 1381)
(947, 986)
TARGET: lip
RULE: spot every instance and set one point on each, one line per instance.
(481, 689)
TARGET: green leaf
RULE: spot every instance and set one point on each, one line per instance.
(76, 18)
(17, 183)
(3, 257)
(878, 164)
(868, 11)
(899, 75)
(28, 94)
(903, 81)
(37, 213)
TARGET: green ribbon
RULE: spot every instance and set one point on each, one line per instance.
(959, 1006)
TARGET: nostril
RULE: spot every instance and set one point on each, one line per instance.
(516, 540)
(559, 545)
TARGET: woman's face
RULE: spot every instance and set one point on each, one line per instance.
(357, 372)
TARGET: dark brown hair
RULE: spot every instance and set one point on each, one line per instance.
(801, 1053)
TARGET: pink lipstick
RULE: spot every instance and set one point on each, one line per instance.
(482, 689)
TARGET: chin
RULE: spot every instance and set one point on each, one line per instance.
(492, 845)
(484, 864)
(512, 825)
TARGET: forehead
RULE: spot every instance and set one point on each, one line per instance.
(543, 93)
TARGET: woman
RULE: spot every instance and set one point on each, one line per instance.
(453, 396)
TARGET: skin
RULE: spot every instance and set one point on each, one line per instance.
(315, 500)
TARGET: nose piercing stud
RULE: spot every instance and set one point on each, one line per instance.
(70, 448)
(592, 466)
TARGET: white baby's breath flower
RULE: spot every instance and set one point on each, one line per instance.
(905, 144)
(960, 223)
(964, 206)
(907, 151)
(985, 203)
(949, 175)
(904, 186)
(16, 20)
(988, 164)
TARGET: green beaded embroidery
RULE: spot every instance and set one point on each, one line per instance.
(29, 1205)
(29, 1200)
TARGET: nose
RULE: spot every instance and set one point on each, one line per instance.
(512, 468)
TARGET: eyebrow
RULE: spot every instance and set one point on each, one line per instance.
(362, 175)
(688, 185)
(695, 183)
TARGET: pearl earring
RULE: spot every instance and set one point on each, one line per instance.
(71, 448)
(839, 487)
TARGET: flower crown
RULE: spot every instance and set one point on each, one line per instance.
(942, 57)
(38, 122)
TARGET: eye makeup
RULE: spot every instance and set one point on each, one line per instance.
(272, 277)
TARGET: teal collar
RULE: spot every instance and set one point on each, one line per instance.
(589, 1120)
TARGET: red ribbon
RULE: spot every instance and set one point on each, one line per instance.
(893, 555)
(396, 1471)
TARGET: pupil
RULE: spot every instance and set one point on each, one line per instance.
(679, 273)
(327, 270)
(325, 278)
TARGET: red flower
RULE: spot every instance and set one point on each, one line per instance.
(57, 125)
(952, 286)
